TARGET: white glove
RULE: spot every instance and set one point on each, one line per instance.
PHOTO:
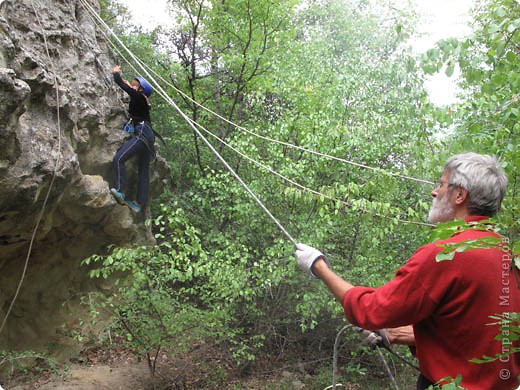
(372, 338)
(306, 256)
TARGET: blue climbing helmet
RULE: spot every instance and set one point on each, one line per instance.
(147, 88)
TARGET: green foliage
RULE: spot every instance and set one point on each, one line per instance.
(487, 117)
(332, 76)
(515, 248)
(450, 249)
(113, 12)
(446, 230)
(26, 363)
(509, 327)
(452, 384)
(177, 292)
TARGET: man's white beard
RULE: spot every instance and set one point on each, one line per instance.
(441, 210)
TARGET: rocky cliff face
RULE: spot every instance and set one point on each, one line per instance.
(60, 126)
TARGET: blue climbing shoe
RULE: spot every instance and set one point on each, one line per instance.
(134, 206)
(120, 197)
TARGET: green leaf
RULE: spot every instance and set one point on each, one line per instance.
(450, 69)
(511, 57)
(445, 256)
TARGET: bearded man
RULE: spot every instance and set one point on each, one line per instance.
(443, 308)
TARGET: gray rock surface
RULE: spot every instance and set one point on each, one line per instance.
(54, 63)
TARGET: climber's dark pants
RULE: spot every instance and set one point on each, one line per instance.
(136, 146)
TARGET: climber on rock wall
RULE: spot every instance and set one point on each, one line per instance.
(141, 143)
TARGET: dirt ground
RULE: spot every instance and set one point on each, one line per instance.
(203, 367)
(115, 370)
(95, 369)
(101, 377)
(136, 377)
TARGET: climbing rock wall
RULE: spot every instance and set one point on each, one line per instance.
(60, 125)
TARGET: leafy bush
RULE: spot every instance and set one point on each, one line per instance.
(176, 292)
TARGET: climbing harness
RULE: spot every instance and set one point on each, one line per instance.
(140, 136)
(129, 127)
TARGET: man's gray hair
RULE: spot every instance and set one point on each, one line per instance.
(484, 179)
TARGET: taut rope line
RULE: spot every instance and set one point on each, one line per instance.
(292, 182)
(300, 186)
(297, 147)
(185, 117)
(269, 139)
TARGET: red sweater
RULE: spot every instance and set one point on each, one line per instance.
(449, 304)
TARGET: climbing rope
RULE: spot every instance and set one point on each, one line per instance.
(387, 368)
(292, 182)
(243, 129)
(167, 98)
(273, 140)
(302, 187)
(58, 159)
